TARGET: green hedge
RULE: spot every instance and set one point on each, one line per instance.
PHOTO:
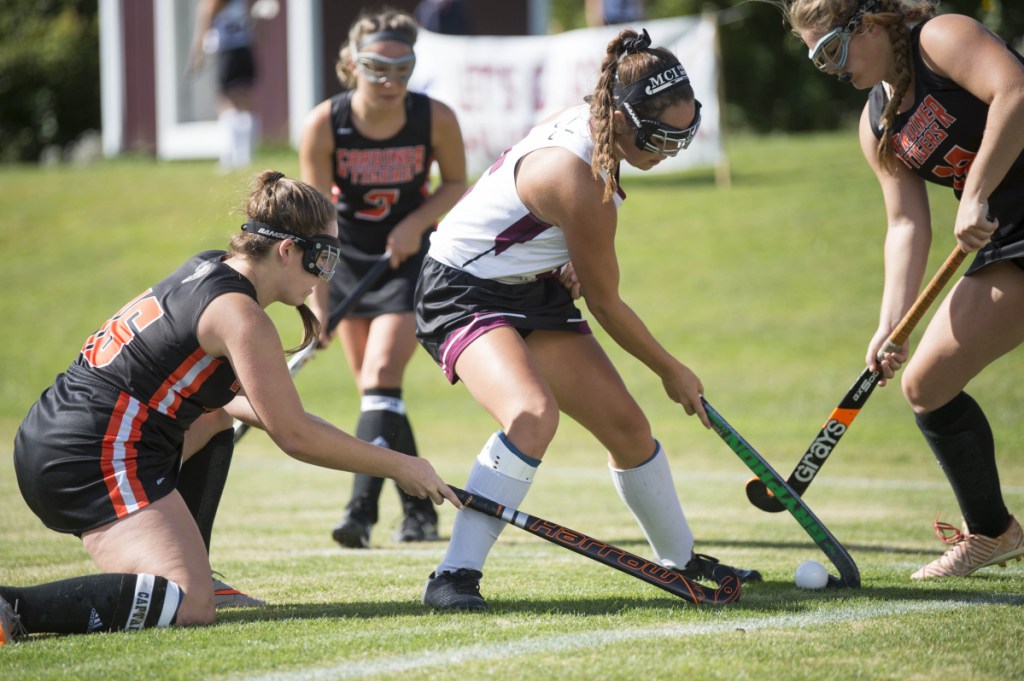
(49, 75)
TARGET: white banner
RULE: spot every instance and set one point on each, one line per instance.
(500, 87)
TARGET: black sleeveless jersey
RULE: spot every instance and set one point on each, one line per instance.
(379, 182)
(149, 350)
(939, 136)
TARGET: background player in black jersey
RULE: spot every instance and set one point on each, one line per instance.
(98, 455)
(934, 115)
(372, 148)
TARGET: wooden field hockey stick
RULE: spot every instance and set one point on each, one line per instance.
(299, 359)
(849, 575)
(728, 590)
(843, 415)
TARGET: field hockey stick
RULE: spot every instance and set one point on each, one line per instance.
(856, 397)
(849, 575)
(662, 577)
(299, 359)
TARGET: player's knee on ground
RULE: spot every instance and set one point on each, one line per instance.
(197, 607)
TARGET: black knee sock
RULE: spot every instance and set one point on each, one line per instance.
(379, 426)
(386, 426)
(406, 443)
(961, 439)
(107, 602)
(202, 478)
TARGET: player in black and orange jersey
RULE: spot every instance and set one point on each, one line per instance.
(372, 148)
(98, 454)
(935, 116)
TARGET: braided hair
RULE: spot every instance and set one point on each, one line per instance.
(290, 206)
(892, 15)
(628, 59)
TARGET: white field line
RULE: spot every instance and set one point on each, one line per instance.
(447, 657)
(684, 476)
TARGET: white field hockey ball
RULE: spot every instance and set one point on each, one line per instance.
(811, 574)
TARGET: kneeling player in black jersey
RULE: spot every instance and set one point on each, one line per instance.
(99, 454)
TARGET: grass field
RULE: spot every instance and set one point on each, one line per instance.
(768, 289)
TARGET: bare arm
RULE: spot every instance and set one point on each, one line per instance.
(316, 168)
(234, 326)
(907, 241)
(558, 187)
(450, 154)
(206, 10)
(993, 75)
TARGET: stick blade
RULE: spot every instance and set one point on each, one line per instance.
(729, 587)
(762, 497)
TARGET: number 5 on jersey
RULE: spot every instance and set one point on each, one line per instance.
(105, 345)
(382, 200)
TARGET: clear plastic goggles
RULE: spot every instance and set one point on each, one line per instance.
(830, 52)
(659, 138)
(379, 69)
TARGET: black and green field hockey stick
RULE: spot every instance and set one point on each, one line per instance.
(728, 590)
(856, 397)
(849, 575)
(299, 359)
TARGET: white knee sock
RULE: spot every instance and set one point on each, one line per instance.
(226, 131)
(500, 473)
(241, 140)
(650, 494)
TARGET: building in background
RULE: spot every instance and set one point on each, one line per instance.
(151, 106)
(499, 81)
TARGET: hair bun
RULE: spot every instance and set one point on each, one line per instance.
(637, 44)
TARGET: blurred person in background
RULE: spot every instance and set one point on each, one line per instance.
(372, 148)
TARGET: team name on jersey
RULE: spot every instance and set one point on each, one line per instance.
(924, 131)
(391, 165)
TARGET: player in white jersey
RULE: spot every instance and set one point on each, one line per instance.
(494, 307)
(491, 233)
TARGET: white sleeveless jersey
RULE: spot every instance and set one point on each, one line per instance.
(490, 233)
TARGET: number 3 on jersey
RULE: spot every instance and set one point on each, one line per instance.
(380, 201)
(105, 345)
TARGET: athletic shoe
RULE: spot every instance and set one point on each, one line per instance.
(459, 590)
(417, 526)
(971, 552)
(702, 567)
(352, 532)
(10, 623)
(225, 596)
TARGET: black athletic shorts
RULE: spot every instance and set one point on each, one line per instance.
(393, 292)
(453, 308)
(72, 473)
(235, 68)
(1008, 241)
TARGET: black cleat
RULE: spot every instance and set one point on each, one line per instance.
(703, 566)
(417, 526)
(459, 590)
(352, 532)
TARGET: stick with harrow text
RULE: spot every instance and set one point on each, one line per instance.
(662, 577)
(856, 397)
